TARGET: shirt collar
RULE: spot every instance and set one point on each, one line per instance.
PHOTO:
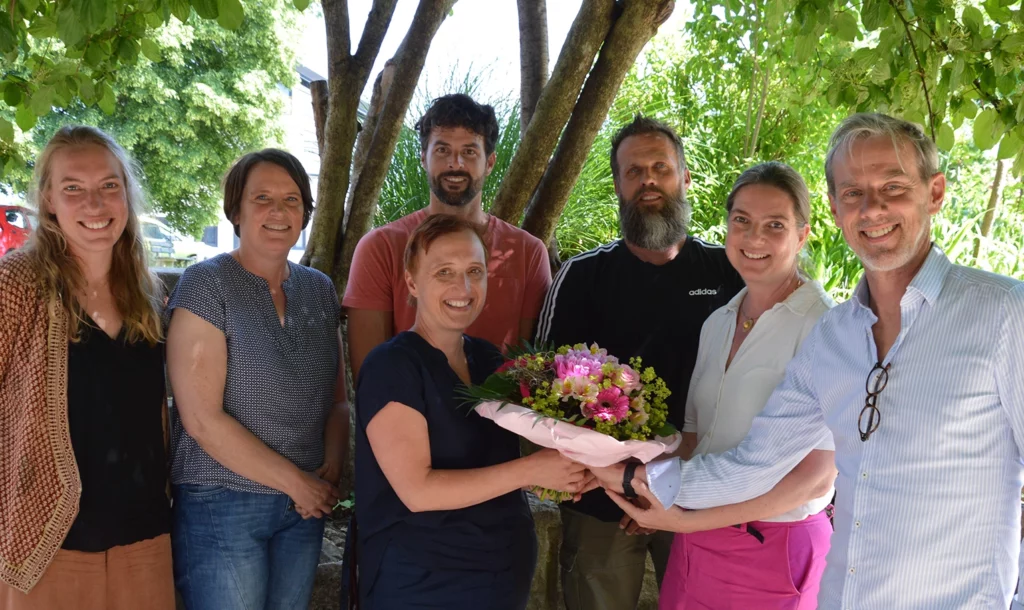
(928, 281)
(799, 301)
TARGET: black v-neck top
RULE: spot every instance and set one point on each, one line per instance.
(410, 371)
(115, 396)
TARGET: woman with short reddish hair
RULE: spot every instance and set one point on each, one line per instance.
(443, 522)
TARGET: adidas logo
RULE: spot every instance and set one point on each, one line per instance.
(703, 292)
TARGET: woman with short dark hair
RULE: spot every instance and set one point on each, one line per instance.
(260, 424)
(443, 522)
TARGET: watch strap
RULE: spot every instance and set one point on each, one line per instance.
(627, 480)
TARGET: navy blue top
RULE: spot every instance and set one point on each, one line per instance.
(410, 371)
(280, 379)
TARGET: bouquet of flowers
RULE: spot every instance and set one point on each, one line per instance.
(581, 401)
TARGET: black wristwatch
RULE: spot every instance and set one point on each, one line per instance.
(627, 480)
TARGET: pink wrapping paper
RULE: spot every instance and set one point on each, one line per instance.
(574, 442)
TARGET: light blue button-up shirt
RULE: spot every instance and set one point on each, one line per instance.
(928, 509)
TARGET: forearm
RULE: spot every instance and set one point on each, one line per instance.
(810, 480)
(454, 489)
(238, 450)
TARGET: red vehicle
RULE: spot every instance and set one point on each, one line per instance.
(16, 223)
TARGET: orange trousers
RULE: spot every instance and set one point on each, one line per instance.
(133, 577)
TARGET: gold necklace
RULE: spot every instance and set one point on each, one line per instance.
(748, 323)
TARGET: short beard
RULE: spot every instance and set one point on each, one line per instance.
(455, 199)
(655, 229)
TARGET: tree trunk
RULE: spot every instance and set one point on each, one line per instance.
(318, 92)
(346, 78)
(533, 57)
(631, 31)
(381, 87)
(990, 213)
(554, 107)
(409, 62)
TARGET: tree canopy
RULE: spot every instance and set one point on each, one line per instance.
(198, 96)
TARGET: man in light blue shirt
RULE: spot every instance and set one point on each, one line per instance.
(918, 384)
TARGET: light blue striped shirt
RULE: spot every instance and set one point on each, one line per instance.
(928, 509)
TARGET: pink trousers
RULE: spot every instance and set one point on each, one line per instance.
(731, 569)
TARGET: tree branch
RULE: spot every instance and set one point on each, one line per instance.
(339, 41)
(409, 62)
(990, 211)
(346, 79)
(381, 87)
(631, 31)
(554, 107)
(377, 23)
(533, 57)
(920, 69)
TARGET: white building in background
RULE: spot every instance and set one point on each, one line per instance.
(299, 129)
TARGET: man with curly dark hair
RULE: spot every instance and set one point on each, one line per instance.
(458, 137)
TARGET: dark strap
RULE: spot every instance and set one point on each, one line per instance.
(750, 529)
(350, 568)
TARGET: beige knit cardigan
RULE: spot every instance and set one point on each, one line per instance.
(39, 481)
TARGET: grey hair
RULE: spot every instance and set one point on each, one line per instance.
(872, 124)
(780, 176)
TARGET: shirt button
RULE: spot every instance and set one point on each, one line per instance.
(853, 570)
(856, 523)
(863, 475)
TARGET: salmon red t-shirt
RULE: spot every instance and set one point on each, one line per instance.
(518, 277)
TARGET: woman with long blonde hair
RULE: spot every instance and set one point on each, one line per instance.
(83, 466)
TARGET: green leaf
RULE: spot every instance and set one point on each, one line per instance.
(107, 101)
(95, 54)
(152, 50)
(973, 19)
(984, 129)
(805, 46)
(69, 27)
(958, 71)
(95, 15)
(43, 27)
(998, 12)
(1012, 43)
(25, 118)
(87, 90)
(1019, 115)
(154, 20)
(1009, 146)
(301, 5)
(846, 25)
(207, 9)
(6, 131)
(875, 14)
(12, 94)
(945, 138)
(42, 101)
(128, 50)
(181, 9)
(8, 41)
(230, 14)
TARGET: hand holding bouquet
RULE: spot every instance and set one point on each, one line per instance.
(581, 401)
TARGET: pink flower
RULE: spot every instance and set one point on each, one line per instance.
(626, 378)
(611, 405)
(577, 365)
(580, 388)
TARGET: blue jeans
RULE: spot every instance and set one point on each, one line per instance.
(237, 550)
